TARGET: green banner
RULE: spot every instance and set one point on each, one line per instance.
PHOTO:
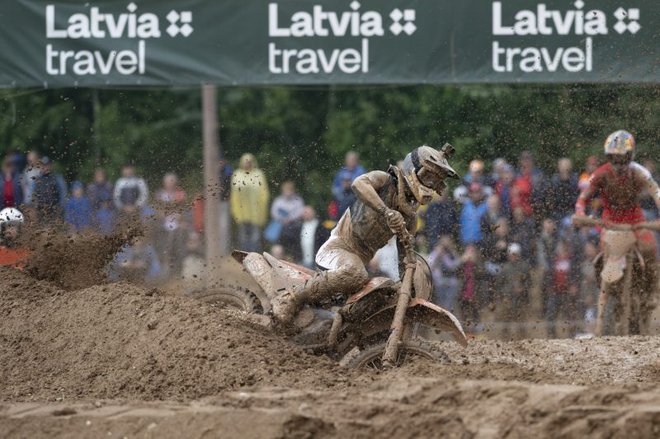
(255, 42)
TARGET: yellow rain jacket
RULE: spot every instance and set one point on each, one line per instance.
(249, 193)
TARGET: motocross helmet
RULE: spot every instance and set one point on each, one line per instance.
(10, 216)
(620, 143)
(425, 170)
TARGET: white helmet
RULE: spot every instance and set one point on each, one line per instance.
(11, 215)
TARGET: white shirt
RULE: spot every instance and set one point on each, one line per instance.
(307, 241)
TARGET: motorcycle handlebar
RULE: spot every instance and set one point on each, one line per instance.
(580, 220)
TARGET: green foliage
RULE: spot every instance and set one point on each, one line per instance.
(302, 134)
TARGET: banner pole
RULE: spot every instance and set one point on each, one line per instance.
(211, 181)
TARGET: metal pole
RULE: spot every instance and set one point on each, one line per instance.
(211, 180)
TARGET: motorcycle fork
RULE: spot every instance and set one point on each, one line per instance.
(396, 328)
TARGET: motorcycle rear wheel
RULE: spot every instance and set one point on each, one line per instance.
(231, 297)
(370, 357)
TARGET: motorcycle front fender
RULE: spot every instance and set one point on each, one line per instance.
(430, 314)
(419, 311)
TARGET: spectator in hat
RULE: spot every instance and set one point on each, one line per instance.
(352, 169)
(474, 209)
(78, 212)
(11, 191)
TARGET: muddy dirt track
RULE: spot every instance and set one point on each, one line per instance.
(118, 361)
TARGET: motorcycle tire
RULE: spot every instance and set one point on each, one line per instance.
(370, 357)
(231, 297)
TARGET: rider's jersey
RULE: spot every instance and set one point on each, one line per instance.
(363, 230)
(13, 257)
(620, 193)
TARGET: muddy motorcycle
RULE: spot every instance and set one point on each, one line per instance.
(620, 266)
(376, 327)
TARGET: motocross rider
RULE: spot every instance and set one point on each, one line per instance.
(386, 205)
(620, 183)
(11, 253)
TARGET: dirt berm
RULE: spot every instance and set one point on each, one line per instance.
(118, 360)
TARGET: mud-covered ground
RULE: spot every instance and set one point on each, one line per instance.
(117, 360)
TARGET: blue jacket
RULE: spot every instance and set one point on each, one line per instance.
(336, 183)
(18, 191)
(471, 221)
(78, 213)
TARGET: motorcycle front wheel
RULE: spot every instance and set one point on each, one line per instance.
(370, 357)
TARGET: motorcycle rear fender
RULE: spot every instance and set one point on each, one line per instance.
(270, 273)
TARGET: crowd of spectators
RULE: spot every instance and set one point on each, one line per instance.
(500, 245)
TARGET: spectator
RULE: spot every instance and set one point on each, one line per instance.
(346, 197)
(105, 218)
(351, 167)
(472, 276)
(99, 190)
(529, 187)
(192, 269)
(47, 195)
(590, 165)
(225, 171)
(491, 217)
(11, 191)
(286, 212)
(515, 281)
(30, 174)
(503, 188)
(499, 164)
(563, 294)
(171, 235)
(475, 175)
(545, 251)
(440, 218)
(249, 203)
(386, 261)
(136, 263)
(563, 191)
(444, 262)
(495, 255)
(474, 209)
(131, 192)
(78, 209)
(312, 237)
(522, 232)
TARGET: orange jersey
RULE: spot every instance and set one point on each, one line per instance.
(620, 193)
(13, 257)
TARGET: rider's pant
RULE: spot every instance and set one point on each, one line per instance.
(647, 246)
(345, 273)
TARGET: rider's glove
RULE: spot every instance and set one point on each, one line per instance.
(395, 221)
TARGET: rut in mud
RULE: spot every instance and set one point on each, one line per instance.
(121, 341)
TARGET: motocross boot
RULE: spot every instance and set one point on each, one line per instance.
(286, 305)
(649, 297)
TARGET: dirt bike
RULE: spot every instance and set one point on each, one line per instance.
(619, 264)
(376, 327)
